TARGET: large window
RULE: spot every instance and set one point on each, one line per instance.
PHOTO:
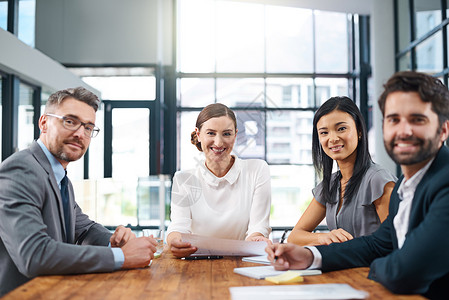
(422, 41)
(27, 16)
(24, 26)
(4, 14)
(122, 157)
(273, 65)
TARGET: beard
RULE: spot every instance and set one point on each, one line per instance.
(427, 149)
(62, 155)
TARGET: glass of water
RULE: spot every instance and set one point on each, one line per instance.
(157, 235)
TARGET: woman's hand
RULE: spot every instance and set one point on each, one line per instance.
(257, 237)
(181, 249)
(335, 236)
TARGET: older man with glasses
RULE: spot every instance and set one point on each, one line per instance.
(42, 229)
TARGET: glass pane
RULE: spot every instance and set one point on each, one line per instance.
(251, 135)
(130, 143)
(404, 62)
(96, 148)
(289, 40)
(4, 14)
(196, 92)
(196, 36)
(240, 92)
(240, 37)
(447, 9)
(447, 39)
(331, 36)
(291, 188)
(290, 92)
(124, 87)
(330, 87)
(115, 201)
(188, 154)
(427, 15)
(289, 137)
(429, 54)
(25, 117)
(27, 16)
(403, 19)
(151, 192)
(1, 114)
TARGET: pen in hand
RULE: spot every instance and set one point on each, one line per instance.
(283, 236)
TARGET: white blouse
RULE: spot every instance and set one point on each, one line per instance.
(232, 207)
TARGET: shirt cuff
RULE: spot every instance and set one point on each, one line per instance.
(317, 258)
(119, 257)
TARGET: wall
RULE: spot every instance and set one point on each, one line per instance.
(34, 67)
(104, 31)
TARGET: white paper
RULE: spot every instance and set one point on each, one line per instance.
(214, 246)
(304, 291)
(261, 259)
(267, 271)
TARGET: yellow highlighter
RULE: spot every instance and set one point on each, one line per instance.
(286, 278)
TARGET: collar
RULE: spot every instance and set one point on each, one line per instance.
(231, 177)
(413, 182)
(56, 166)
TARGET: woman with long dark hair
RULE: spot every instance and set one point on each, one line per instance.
(355, 198)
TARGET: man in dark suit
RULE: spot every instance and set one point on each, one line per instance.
(409, 252)
(42, 229)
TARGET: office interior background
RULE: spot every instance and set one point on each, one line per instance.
(156, 63)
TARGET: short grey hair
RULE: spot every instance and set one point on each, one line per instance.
(78, 93)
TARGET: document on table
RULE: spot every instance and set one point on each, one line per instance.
(267, 271)
(261, 259)
(226, 247)
(304, 291)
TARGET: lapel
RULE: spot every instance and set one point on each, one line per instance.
(418, 206)
(393, 209)
(40, 157)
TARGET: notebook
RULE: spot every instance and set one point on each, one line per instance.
(261, 259)
(267, 271)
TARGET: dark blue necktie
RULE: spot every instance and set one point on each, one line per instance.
(65, 204)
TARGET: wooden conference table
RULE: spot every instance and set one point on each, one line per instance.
(169, 278)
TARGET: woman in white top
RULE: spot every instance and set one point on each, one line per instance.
(224, 196)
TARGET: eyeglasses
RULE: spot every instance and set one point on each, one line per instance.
(73, 124)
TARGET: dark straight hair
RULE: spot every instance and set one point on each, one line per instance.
(323, 163)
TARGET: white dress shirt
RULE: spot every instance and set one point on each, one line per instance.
(406, 192)
(233, 206)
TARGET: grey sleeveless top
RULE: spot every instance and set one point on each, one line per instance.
(359, 216)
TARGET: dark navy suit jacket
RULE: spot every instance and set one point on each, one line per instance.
(421, 266)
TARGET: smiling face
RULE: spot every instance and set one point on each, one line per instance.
(217, 137)
(412, 133)
(64, 144)
(338, 135)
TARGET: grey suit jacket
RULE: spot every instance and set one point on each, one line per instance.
(32, 229)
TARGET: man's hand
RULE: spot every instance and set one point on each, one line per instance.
(121, 236)
(289, 256)
(138, 252)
